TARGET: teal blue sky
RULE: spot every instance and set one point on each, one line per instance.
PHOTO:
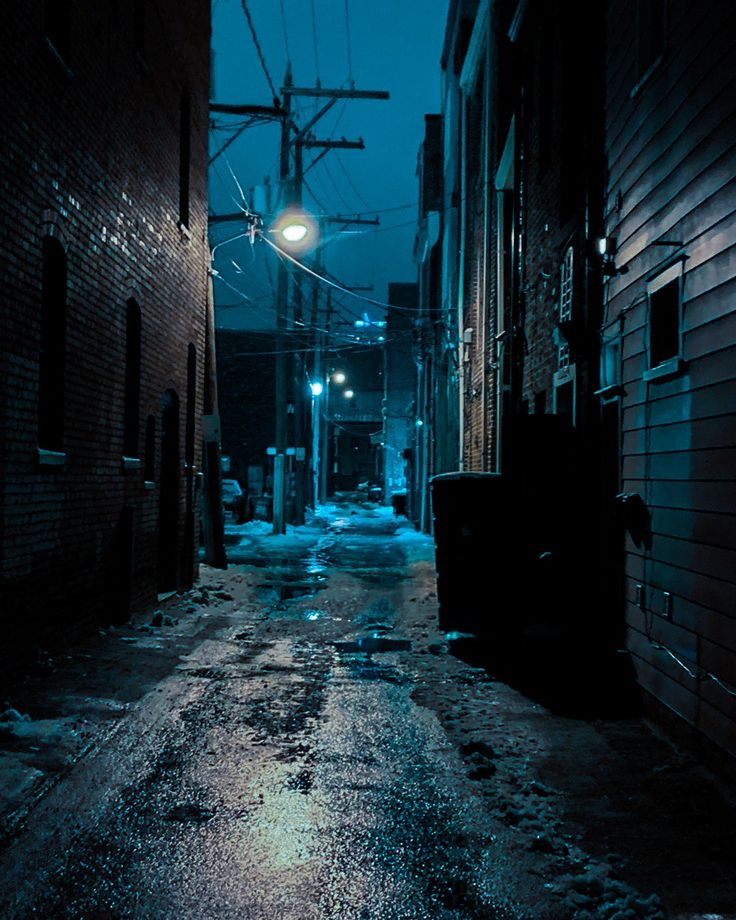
(380, 45)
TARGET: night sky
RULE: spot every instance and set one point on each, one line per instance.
(381, 45)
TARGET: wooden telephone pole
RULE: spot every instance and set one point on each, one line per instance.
(292, 196)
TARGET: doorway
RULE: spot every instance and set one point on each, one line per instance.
(168, 505)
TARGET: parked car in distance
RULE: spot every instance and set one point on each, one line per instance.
(233, 499)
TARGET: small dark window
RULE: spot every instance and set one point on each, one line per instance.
(650, 22)
(664, 323)
(191, 403)
(565, 398)
(57, 26)
(132, 378)
(149, 473)
(52, 346)
(139, 27)
(185, 127)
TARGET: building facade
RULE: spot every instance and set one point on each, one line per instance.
(589, 201)
(104, 307)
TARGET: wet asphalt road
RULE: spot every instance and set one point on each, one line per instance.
(280, 772)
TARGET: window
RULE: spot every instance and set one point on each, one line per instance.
(185, 126)
(664, 294)
(149, 473)
(57, 26)
(52, 346)
(565, 306)
(650, 34)
(610, 366)
(566, 289)
(191, 403)
(132, 378)
(139, 27)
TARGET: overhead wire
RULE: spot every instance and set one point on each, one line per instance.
(349, 44)
(256, 42)
(314, 39)
(286, 36)
(340, 287)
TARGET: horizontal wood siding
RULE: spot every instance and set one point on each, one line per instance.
(672, 193)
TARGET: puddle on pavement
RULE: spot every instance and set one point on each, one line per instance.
(189, 813)
(371, 644)
(287, 591)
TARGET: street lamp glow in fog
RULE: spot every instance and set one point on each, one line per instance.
(297, 229)
(316, 388)
(338, 377)
(294, 233)
(348, 394)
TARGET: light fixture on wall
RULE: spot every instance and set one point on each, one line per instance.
(606, 246)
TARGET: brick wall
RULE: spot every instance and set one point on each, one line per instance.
(91, 155)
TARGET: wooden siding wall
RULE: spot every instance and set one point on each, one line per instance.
(672, 179)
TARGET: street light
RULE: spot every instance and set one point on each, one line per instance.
(348, 394)
(338, 377)
(297, 230)
(317, 389)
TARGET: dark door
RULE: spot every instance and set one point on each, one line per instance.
(168, 507)
(612, 535)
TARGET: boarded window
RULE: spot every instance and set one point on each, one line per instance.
(132, 378)
(52, 346)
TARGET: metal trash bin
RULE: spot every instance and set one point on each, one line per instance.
(474, 542)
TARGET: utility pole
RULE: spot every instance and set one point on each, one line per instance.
(301, 141)
(282, 294)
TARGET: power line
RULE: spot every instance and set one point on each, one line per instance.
(314, 38)
(286, 36)
(347, 35)
(261, 58)
(334, 284)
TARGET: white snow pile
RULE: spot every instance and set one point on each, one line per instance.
(593, 895)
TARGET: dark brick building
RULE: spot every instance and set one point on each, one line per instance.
(588, 243)
(104, 305)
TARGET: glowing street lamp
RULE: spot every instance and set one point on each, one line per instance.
(294, 233)
(348, 394)
(338, 377)
(316, 388)
(297, 229)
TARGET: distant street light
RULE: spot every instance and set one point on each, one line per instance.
(348, 394)
(338, 377)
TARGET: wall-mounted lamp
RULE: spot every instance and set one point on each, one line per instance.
(606, 246)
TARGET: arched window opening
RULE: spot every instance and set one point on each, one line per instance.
(52, 346)
(191, 403)
(132, 378)
(150, 457)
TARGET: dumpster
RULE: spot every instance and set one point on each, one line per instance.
(473, 550)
